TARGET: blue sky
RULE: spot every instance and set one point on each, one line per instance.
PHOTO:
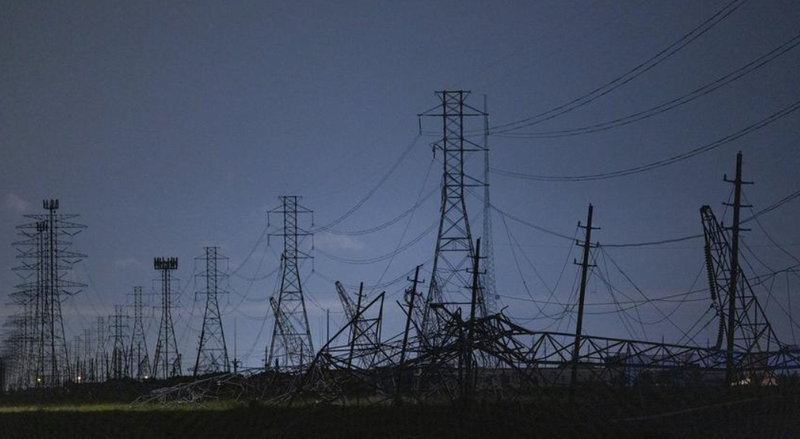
(170, 127)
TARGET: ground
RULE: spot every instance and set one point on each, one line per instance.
(753, 419)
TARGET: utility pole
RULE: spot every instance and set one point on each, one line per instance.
(467, 350)
(212, 352)
(730, 373)
(235, 357)
(587, 246)
(410, 298)
(167, 359)
(291, 345)
(454, 246)
(140, 360)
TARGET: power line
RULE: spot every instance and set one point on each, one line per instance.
(390, 222)
(660, 163)
(408, 223)
(249, 255)
(555, 47)
(628, 76)
(369, 194)
(653, 243)
(793, 196)
(384, 257)
(531, 225)
(705, 90)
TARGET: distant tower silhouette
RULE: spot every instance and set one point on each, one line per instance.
(118, 354)
(167, 362)
(84, 371)
(101, 357)
(291, 346)
(454, 247)
(139, 359)
(212, 353)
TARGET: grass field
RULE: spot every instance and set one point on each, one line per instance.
(648, 413)
(236, 420)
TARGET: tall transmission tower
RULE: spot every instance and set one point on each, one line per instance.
(291, 346)
(454, 254)
(167, 361)
(118, 354)
(212, 353)
(46, 252)
(139, 358)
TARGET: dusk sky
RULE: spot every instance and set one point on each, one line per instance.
(169, 127)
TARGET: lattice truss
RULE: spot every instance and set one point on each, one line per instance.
(40, 351)
(167, 358)
(291, 346)
(212, 352)
(454, 244)
(490, 356)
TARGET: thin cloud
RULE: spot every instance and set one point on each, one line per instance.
(328, 241)
(15, 203)
(128, 263)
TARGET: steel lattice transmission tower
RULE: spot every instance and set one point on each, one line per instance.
(450, 282)
(101, 357)
(139, 358)
(291, 346)
(212, 353)
(167, 361)
(46, 257)
(20, 350)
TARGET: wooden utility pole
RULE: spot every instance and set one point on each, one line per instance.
(587, 246)
(412, 294)
(730, 373)
(467, 350)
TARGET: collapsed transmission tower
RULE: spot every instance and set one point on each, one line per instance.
(291, 346)
(139, 359)
(212, 353)
(454, 254)
(46, 258)
(167, 361)
(743, 325)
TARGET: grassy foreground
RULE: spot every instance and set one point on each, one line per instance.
(236, 420)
